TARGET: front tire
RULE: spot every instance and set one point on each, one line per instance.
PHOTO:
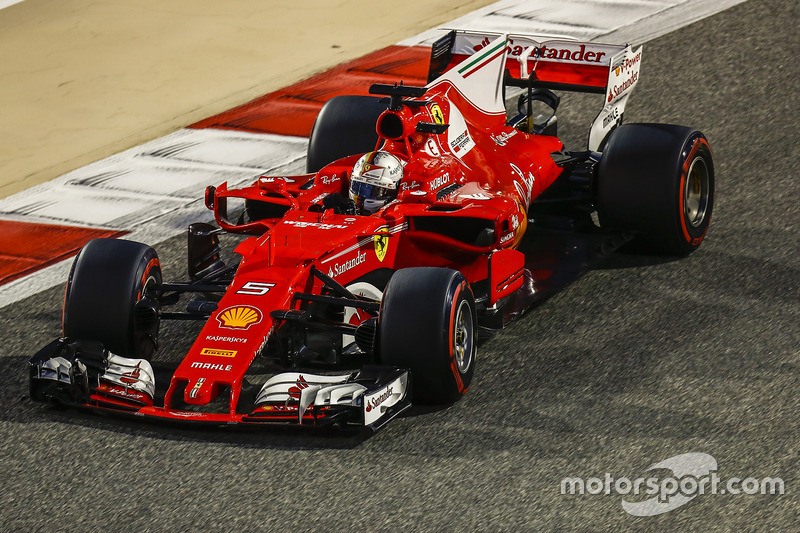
(428, 324)
(111, 297)
(658, 180)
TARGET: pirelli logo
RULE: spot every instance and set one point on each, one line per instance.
(213, 352)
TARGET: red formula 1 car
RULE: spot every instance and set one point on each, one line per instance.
(428, 216)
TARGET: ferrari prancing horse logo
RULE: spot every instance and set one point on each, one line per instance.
(381, 243)
(436, 113)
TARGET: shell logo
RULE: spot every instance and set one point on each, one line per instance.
(239, 317)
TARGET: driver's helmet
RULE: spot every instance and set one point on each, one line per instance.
(375, 179)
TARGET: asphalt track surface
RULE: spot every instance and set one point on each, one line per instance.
(642, 360)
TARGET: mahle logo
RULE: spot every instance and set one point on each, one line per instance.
(691, 474)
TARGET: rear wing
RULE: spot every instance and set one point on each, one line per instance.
(533, 61)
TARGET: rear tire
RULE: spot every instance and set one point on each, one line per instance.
(112, 296)
(657, 179)
(428, 324)
(345, 126)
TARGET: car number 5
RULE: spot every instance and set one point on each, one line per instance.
(255, 288)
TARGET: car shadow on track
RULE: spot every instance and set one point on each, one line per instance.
(633, 255)
(290, 438)
(17, 405)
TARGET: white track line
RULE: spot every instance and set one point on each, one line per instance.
(610, 21)
(6, 3)
(155, 178)
(156, 187)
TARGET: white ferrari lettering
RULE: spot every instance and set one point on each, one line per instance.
(318, 225)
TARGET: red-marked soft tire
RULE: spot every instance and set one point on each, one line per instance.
(112, 297)
(658, 180)
(428, 324)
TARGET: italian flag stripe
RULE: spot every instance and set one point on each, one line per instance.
(489, 60)
(478, 62)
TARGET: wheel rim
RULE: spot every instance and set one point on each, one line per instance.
(695, 192)
(365, 290)
(150, 288)
(463, 337)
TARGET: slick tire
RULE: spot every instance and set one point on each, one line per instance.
(658, 180)
(111, 297)
(345, 126)
(428, 324)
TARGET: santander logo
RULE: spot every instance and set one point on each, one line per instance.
(578, 53)
(132, 377)
(376, 401)
(624, 75)
(300, 384)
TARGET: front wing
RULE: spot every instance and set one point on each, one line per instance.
(84, 375)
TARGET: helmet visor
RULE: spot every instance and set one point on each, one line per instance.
(368, 190)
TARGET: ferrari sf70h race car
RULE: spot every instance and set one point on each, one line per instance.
(429, 218)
